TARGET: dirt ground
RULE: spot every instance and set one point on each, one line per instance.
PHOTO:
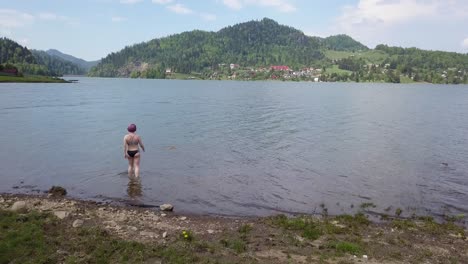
(276, 239)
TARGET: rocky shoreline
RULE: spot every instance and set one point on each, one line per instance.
(276, 239)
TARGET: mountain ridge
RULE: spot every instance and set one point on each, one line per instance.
(81, 62)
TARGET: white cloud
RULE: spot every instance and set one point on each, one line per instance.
(130, 1)
(465, 43)
(14, 19)
(118, 19)
(162, 2)
(280, 5)
(180, 9)
(385, 12)
(208, 17)
(51, 17)
(381, 21)
(233, 4)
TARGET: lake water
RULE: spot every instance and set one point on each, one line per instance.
(242, 148)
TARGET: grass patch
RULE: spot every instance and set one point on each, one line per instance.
(238, 245)
(344, 247)
(357, 221)
(22, 238)
(42, 238)
(403, 224)
(31, 79)
(334, 69)
(310, 228)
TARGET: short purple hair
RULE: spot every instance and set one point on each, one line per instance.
(131, 128)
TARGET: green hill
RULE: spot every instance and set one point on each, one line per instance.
(80, 62)
(252, 47)
(56, 65)
(254, 43)
(34, 62)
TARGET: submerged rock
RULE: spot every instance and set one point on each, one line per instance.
(57, 191)
(166, 207)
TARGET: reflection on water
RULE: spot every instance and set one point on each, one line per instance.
(134, 189)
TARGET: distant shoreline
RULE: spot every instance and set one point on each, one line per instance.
(32, 79)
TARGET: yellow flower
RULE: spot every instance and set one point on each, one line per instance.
(186, 236)
(184, 232)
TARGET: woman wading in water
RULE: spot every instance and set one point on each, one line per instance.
(131, 149)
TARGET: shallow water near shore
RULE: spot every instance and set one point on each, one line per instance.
(242, 148)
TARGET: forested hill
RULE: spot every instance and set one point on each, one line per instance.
(56, 65)
(33, 61)
(13, 53)
(254, 43)
(80, 62)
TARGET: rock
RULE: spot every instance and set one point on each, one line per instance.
(183, 218)
(148, 234)
(210, 231)
(57, 191)
(364, 256)
(61, 214)
(299, 238)
(2, 200)
(163, 215)
(164, 235)
(77, 223)
(110, 223)
(166, 207)
(18, 206)
(133, 228)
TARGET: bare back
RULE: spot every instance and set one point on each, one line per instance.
(133, 141)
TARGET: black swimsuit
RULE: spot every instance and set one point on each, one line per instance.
(132, 153)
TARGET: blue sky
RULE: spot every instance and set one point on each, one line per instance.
(91, 29)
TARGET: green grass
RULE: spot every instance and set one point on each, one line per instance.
(337, 55)
(370, 56)
(183, 76)
(335, 69)
(310, 228)
(406, 79)
(31, 79)
(38, 237)
(344, 247)
(22, 238)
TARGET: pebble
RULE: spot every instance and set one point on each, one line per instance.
(148, 234)
(19, 205)
(133, 228)
(210, 231)
(163, 215)
(299, 238)
(164, 235)
(110, 223)
(77, 223)
(364, 256)
(183, 218)
(61, 214)
(2, 200)
(166, 207)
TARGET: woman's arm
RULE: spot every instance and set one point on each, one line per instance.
(125, 147)
(141, 143)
